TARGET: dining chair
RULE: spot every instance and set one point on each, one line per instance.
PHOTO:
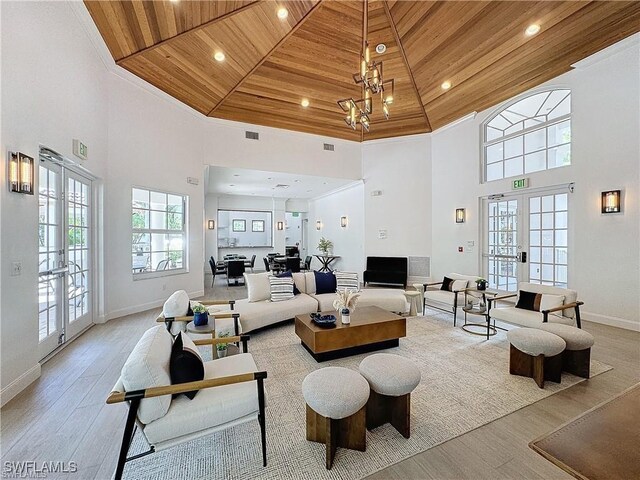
(250, 263)
(293, 264)
(307, 262)
(266, 264)
(235, 271)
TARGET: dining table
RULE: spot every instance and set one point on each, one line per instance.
(326, 261)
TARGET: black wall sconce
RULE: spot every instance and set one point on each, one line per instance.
(344, 222)
(280, 225)
(460, 215)
(211, 224)
(611, 201)
(20, 173)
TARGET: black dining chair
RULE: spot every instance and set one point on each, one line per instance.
(235, 271)
(266, 264)
(250, 263)
(307, 263)
(216, 268)
(293, 264)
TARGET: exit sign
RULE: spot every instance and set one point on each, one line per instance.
(80, 150)
(520, 183)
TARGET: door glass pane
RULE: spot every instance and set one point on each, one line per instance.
(502, 244)
(78, 285)
(49, 252)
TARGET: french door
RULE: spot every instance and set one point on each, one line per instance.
(526, 239)
(65, 271)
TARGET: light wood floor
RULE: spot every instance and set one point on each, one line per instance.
(62, 416)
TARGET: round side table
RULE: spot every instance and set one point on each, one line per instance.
(209, 328)
(413, 297)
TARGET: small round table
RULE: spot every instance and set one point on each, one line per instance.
(209, 328)
(478, 328)
(413, 297)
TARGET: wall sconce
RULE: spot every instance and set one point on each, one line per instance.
(343, 222)
(318, 225)
(460, 215)
(611, 201)
(280, 225)
(20, 173)
(211, 224)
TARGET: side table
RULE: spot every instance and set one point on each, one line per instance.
(209, 328)
(479, 309)
(413, 297)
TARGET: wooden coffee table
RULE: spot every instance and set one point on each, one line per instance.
(371, 328)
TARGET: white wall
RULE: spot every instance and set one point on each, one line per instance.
(604, 254)
(156, 145)
(347, 242)
(48, 98)
(401, 169)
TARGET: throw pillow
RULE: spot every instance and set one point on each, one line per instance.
(347, 281)
(177, 305)
(458, 285)
(289, 274)
(446, 284)
(299, 280)
(281, 288)
(186, 363)
(529, 300)
(325, 282)
(148, 366)
(551, 301)
(258, 288)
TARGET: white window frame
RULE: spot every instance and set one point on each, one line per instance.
(484, 143)
(185, 233)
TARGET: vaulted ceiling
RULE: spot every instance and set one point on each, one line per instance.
(271, 64)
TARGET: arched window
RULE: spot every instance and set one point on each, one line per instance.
(529, 135)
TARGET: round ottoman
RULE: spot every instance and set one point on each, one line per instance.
(535, 353)
(392, 378)
(336, 415)
(576, 358)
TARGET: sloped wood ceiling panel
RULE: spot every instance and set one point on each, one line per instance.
(271, 65)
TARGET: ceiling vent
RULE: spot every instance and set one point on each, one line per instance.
(329, 146)
(252, 135)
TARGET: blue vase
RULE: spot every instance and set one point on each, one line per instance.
(200, 319)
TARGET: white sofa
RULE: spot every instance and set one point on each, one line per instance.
(262, 313)
(568, 314)
(446, 300)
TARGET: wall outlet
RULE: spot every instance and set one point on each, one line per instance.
(16, 269)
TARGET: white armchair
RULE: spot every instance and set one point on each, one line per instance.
(567, 313)
(231, 393)
(448, 300)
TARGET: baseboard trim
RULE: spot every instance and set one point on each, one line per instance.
(19, 384)
(143, 307)
(612, 321)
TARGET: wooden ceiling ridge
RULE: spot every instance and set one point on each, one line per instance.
(190, 30)
(266, 57)
(394, 29)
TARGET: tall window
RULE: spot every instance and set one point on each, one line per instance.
(159, 231)
(529, 135)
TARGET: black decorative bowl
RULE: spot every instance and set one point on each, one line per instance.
(324, 321)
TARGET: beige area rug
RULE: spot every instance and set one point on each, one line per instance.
(465, 384)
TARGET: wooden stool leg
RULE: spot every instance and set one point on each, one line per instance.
(553, 368)
(577, 362)
(400, 414)
(331, 437)
(377, 410)
(538, 370)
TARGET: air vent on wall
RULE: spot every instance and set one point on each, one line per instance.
(329, 146)
(252, 135)
(419, 267)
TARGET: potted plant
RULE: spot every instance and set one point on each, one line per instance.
(325, 246)
(345, 303)
(200, 315)
(222, 347)
(481, 283)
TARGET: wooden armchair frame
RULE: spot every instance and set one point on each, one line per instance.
(545, 313)
(135, 396)
(168, 321)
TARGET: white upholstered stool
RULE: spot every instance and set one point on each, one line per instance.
(535, 353)
(336, 400)
(392, 378)
(576, 358)
(415, 300)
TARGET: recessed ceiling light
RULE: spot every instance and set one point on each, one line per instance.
(381, 48)
(304, 103)
(446, 85)
(219, 56)
(175, 1)
(283, 13)
(532, 30)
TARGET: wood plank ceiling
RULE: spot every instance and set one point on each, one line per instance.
(271, 64)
